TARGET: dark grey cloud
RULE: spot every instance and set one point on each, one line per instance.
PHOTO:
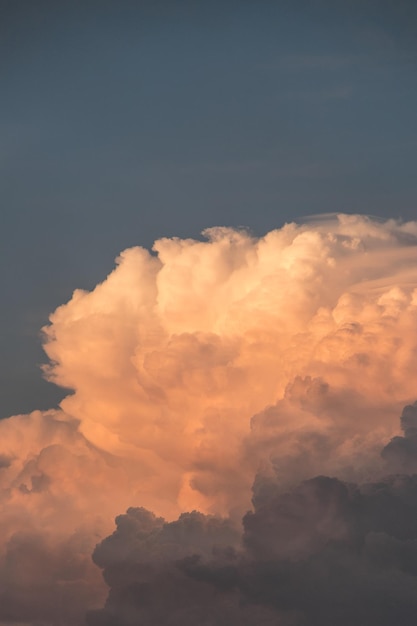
(146, 563)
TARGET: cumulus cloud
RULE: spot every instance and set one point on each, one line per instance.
(147, 563)
(207, 346)
(194, 368)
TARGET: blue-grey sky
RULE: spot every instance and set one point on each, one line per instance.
(121, 122)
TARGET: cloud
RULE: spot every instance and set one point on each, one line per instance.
(46, 580)
(146, 563)
(175, 353)
(194, 368)
(325, 552)
(336, 552)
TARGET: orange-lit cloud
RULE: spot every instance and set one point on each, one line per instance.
(200, 365)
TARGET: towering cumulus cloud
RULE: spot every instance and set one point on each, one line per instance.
(208, 379)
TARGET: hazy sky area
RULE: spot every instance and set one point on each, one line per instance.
(123, 122)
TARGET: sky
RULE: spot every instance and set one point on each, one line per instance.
(209, 280)
(123, 122)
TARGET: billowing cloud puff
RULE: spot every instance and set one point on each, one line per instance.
(147, 562)
(194, 368)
